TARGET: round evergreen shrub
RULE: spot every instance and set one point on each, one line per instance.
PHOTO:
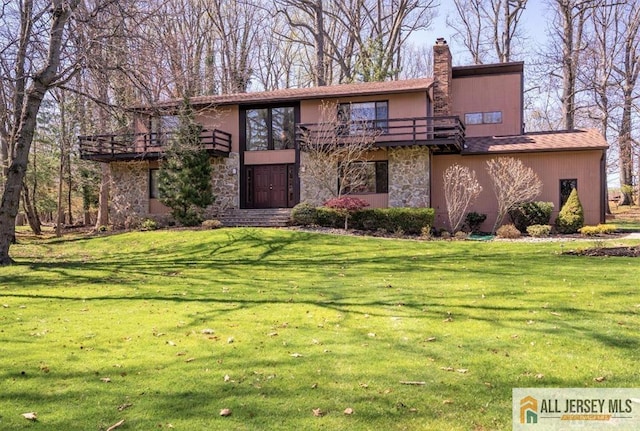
(539, 230)
(304, 214)
(571, 217)
(531, 213)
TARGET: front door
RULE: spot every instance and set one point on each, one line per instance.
(270, 186)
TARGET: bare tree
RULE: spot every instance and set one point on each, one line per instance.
(567, 47)
(335, 150)
(461, 188)
(485, 24)
(628, 70)
(513, 183)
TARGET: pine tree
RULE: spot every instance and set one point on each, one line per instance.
(185, 172)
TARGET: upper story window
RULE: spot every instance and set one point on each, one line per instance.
(164, 123)
(364, 116)
(493, 117)
(271, 128)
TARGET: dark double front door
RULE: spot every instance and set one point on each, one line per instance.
(269, 186)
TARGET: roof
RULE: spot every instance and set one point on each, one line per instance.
(536, 142)
(488, 69)
(296, 94)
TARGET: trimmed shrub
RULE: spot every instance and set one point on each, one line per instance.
(211, 224)
(329, 217)
(601, 229)
(571, 216)
(409, 220)
(474, 220)
(370, 219)
(508, 231)
(539, 230)
(304, 214)
(531, 213)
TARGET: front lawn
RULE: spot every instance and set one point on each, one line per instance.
(164, 329)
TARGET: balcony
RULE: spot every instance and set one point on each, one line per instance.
(444, 135)
(145, 146)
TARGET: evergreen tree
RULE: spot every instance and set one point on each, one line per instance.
(571, 217)
(185, 173)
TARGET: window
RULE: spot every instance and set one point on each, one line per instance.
(364, 116)
(373, 178)
(164, 123)
(154, 192)
(473, 118)
(493, 117)
(270, 128)
(566, 187)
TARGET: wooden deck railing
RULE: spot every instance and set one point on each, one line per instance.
(128, 146)
(443, 134)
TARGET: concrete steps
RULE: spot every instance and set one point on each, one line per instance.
(270, 217)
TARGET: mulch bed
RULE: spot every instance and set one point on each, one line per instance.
(607, 251)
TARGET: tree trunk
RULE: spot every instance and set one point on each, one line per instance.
(43, 80)
(30, 210)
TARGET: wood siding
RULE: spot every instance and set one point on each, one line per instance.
(550, 168)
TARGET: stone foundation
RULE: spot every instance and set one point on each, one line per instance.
(311, 190)
(225, 184)
(129, 190)
(409, 177)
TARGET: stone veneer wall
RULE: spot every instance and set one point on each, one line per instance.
(310, 190)
(409, 177)
(129, 190)
(225, 184)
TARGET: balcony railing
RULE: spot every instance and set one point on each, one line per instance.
(145, 146)
(442, 134)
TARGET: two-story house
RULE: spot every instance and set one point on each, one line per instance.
(465, 115)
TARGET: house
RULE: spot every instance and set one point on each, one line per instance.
(465, 115)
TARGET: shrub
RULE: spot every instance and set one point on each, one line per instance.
(539, 230)
(460, 235)
(370, 219)
(571, 216)
(149, 224)
(531, 213)
(409, 220)
(304, 214)
(426, 232)
(601, 229)
(329, 217)
(211, 224)
(474, 220)
(508, 231)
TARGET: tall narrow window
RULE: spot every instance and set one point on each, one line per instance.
(566, 187)
(154, 192)
(270, 128)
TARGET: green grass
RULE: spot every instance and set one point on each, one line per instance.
(303, 321)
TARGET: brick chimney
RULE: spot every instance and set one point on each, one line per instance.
(442, 77)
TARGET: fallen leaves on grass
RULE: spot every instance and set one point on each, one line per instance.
(600, 379)
(447, 402)
(296, 355)
(207, 331)
(413, 383)
(348, 411)
(105, 380)
(318, 413)
(431, 339)
(225, 412)
(124, 406)
(32, 416)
